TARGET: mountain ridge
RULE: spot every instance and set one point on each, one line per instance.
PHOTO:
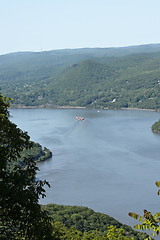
(84, 77)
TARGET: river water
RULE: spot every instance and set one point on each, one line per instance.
(108, 162)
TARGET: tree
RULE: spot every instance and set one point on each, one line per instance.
(114, 233)
(148, 221)
(21, 216)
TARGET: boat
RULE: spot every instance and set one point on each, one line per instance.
(80, 118)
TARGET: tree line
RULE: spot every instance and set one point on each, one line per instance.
(89, 79)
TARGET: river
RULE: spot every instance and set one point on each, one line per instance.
(108, 162)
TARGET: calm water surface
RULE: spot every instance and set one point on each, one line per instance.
(109, 162)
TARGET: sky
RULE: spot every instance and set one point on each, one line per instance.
(42, 25)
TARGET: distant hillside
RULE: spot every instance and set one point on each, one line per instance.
(98, 77)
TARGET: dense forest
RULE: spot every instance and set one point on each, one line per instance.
(95, 78)
(86, 220)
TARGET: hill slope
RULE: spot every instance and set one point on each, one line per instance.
(85, 220)
(110, 78)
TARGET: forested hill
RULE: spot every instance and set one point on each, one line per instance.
(87, 221)
(91, 77)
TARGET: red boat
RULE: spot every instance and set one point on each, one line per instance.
(80, 118)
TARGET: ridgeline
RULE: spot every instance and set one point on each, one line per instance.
(111, 78)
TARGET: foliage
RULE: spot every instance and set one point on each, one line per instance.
(89, 222)
(148, 221)
(114, 233)
(38, 154)
(156, 127)
(99, 78)
(61, 232)
(21, 216)
(35, 152)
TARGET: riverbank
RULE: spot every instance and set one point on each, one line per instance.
(141, 109)
(45, 106)
(74, 107)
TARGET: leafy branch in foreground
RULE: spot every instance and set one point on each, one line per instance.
(148, 221)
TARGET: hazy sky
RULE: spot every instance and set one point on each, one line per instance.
(35, 25)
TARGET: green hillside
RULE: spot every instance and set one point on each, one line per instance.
(86, 220)
(127, 82)
(107, 78)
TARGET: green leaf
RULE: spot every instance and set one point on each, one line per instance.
(137, 226)
(134, 215)
(140, 219)
(158, 183)
(156, 216)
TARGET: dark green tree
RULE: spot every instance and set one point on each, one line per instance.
(21, 216)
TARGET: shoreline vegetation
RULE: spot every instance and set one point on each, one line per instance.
(37, 153)
(156, 127)
(77, 107)
(45, 106)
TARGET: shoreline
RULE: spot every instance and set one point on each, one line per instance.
(75, 107)
(45, 107)
(142, 109)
